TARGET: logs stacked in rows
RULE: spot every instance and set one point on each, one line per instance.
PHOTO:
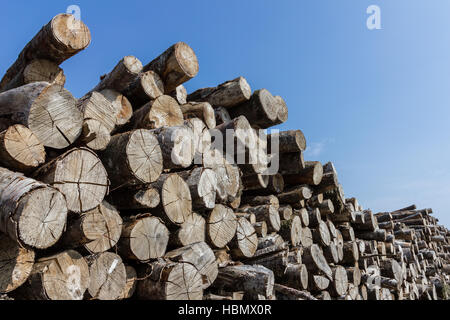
(131, 192)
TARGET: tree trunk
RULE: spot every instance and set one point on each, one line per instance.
(291, 230)
(161, 112)
(229, 94)
(80, 176)
(221, 226)
(143, 238)
(164, 280)
(176, 65)
(97, 230)
(47, 109)
(254, 280)
(16, 264)
(267, 213)
(202, 185)
(193, 230)
(64, 276)
(293, 141)
(123, 111)
(31, 213)
(261, 110)
(133, 158)
(143, 88)
(245, 243)
(59, 40)
(315, 261)
(201, 257)
(312, 175)
(201, 110)
(20, 149)
(321, 235)
(108, 276)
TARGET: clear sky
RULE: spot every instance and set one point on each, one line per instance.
(376, 103)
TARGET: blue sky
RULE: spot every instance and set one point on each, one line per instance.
(376, 103)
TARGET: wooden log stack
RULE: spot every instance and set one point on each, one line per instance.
(129, 193)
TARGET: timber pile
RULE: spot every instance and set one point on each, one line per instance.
(121, 194)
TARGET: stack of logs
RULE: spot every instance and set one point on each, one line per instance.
(122, 194)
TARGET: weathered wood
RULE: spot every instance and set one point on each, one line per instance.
(16, 264)
(131, 283)
(312, 175)
(291, 163)
(256, 280)
(123, 111)
(145, 87)
(222, 115)
(283, 111)
(20, 149)
(315, 261)
(31, 213)
(161, 112)
(201, 110)
(295, 195)
(291, 230)
(97, 230)
(64, 276)
(267, 213)
(221, 226)
(340, 281)
(165, 280)
(202, 141)
(202, 185)
(201, 257)
(48, 110)
(139, 197)
(95, 106)
(133, 158)
(321, 234)
(293, 141)
(293, 294)
(59, 40)
(94, 135)
(80, 176)
(245, 242)
(108, 276)
(229, 94)
(180, 94)
(193, 230)
(176, 65)
(286, 212)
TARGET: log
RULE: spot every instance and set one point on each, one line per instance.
(16, 264)
(60, 39)
(222, 115)
(202, 185)
(261, 110)
(245, 242)
(201, 140)
(261, 200)
(306, 237)
(180, 94)
(229, 181)
(267, 213)
(261, 229)
(165, 280)
(315, 261)
(256, 280)
(139, 197)
(275, 185)
(340, 281)
(379, 235)
(326, 208)
(108, 276)
(95, 106)
(290, 163)
(229, 94)
(293, 294)
(177, 146)
(286, 212)
(304, 215)
(331, 253)
(176, 65)
(351, 253)
(256, 182)
(221, 226)
(97, 230)
(94, 135)
(123, 111)
(201, 257)
(321, 235)
(48, 110)
(283, 111)
(391, 269)
(36, 71)
(143, 238)
(138, 156)
(295, 195)
(318, 283)
(31, 213)
(201, 110)
(123, 74)
(64, 276)
(161, 112)
(354, 275)
(314, 218)
(80, 176)
(291, 230)
(296, 276)
(131, 283)
(20, 149)
(143, 88)
(293, 141)
(193, 230)
(312, 175)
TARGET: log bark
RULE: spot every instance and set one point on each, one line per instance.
(165, 280)
(293, 141)
(261, 110)
(161, 112)
(31, 213)
(221, 226)
(286, 213)
(108, 276)
(293, 294)
(59, 40)
(245, 243)
(131, 283)
(312, 175)
(16, 264)
(201, 110)
(229, 94)
(295, 195)
(20, 149)
(201, 257)
(290, 163)
(315, 261)
(267, 213)
(80, 176)
(321, 234)
(222, 115)
(176, 65)
(133, 158)
(97, 230)
(254, 280)
(64, 276)
(135, 198)
(291, 230)
(47, 109)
